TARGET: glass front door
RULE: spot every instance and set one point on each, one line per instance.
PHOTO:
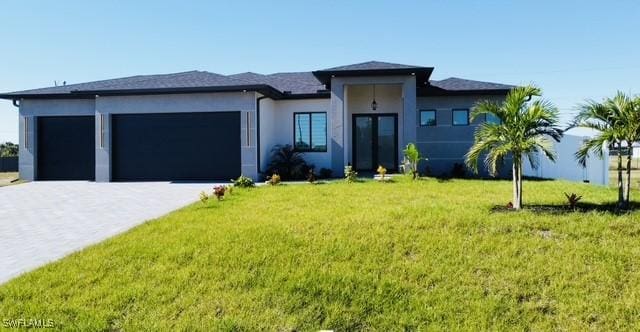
(375, 141)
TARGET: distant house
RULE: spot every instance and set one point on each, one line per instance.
(199, 125)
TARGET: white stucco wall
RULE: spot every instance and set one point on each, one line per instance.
(276, 128)
(566, 167)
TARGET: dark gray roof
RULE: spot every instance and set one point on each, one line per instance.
(460, 84)
(141, 82)
(275, 85)
(372, 65)
(296, 83)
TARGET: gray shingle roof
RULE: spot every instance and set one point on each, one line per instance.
(293, 82)
(175, 80)
(296, 83)
(371, 65)
(460, 84)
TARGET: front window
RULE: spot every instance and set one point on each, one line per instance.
(461, 117)
(492, 118)
(428, 118)
(310, 132)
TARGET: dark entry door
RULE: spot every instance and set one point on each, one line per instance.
(175, 146)
(66, 148)
(375, 141)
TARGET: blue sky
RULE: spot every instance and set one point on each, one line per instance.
(572, 49)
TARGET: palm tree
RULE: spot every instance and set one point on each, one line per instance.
(524, 129)
(617, 122)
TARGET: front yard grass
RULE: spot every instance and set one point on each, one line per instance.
(410, 255)
(8, 178)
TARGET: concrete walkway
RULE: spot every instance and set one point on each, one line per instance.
(43, 221)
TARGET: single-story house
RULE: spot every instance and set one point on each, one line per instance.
(199, 125)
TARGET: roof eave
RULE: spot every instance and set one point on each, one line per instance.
(423, 92)
(422, 73)
(89, 94)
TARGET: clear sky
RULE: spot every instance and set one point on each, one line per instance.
(572, 49)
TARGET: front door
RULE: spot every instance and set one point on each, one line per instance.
(375, 141)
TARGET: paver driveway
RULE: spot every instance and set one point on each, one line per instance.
(44, 221)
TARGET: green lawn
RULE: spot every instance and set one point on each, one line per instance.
(408, 255)
(8, 178)
(613, 172)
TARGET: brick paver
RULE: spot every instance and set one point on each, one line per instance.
(43, 221)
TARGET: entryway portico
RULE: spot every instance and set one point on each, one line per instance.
(366, 135)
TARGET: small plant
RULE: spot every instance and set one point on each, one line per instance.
(243, 182)
(350, 175)
(219, 191)
(382, 172)
(572, 200)
(325, 173)
(412, 157)
(287, 162)
(204, 197)
(273, 180)
(311, 176)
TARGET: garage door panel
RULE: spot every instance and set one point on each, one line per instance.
(176, 146)
(66, 148)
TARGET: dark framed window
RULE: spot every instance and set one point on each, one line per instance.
(491, 118)
(428, 118)
(460, 117)
(310, 131)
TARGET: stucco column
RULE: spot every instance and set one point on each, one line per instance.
(103, 146)
(337, 127)
(27, 147)
(410, 116)
(248, 152)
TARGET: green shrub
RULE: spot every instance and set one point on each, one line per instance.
(288, 163)
(204, 197)
(350, 175)
(243, 182)
(411, 159)
(311, 176)
(219, 192)
(274, 180)
(572, 199)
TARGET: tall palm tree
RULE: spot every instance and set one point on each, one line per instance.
(617, 122)
(524, 129)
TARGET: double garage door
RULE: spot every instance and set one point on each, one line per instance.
(144, 147)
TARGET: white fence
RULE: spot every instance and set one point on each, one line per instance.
(566, 167)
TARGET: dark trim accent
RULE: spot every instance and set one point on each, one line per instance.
(430, 90)
(374, 137)
(435, 117)
(258, 130)
(318, 95)
(453, 110)
(16, 103)
(326, 134)
(45, 96)
(266, 90)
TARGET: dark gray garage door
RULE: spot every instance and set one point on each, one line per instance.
(175, 146)
(66, 148)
